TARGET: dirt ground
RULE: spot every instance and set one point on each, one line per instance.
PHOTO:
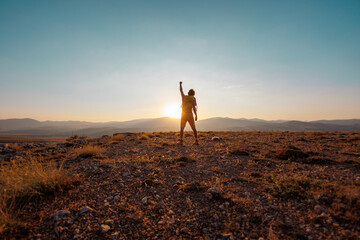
(234, 185)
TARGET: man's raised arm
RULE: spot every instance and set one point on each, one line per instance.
(181, 91)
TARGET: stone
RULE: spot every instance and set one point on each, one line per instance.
(104, 228)
(126, 174)
(215, 193)
(60, 214)
(319, 209)
(115, 235)
(144, 200)
(109, 221)
(228, 236)
(85, 210)
(215, 138)
(185, 230)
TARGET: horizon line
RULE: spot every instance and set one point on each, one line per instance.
(288, 120)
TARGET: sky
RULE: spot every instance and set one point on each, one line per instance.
(120, 60)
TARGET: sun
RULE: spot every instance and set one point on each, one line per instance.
(172, 110)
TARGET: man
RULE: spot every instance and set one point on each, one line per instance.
(188, 106)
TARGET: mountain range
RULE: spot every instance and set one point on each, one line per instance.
(68, 128)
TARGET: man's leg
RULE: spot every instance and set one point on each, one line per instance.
(182, 126)
(192, 125)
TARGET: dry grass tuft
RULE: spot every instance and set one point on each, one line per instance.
(89, 151)
(118, 137)
(75, 137)
(192, 187)
(237, 152)
(23, 179)
(290, 153)
(286, 187)
(143, 137)
(343, 202)
(15, 147)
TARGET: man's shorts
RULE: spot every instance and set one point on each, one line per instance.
(187, 117)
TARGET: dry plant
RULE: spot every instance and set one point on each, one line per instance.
(15, 147)
(89, 151)
(23, 179)
(143, 159)
(118, 137)
(285, 187)
(343, 201)
(143, 137)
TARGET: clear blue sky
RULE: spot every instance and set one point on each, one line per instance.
(121, 60)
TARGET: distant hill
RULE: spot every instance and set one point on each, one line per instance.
(68, 128)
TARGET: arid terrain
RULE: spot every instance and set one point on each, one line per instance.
(234, 185)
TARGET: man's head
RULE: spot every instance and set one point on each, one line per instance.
(191, 92)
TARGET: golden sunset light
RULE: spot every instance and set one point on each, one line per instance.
(173, 110)
(160, 119)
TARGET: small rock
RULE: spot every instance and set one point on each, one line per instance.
(144, 200)
(319, 209)
(171, 212)
(215, 138)
(110, 198)
(184, 230)
(60, 214)
(85, 210)
(104, 228)
(126, 174)
(161, 222)
(148, 168)
(215, 193)
(109, 222)
(222, 207)
(115, 235)
(227, 236)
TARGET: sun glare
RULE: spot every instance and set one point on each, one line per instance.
(173, 111)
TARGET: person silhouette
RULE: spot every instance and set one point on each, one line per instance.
(188, 106)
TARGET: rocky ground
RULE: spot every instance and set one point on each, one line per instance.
(234, 185)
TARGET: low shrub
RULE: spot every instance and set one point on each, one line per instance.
(143, 137)
(89, 151)
(118, 137)
(22, 180)
(191, 187)
(343, 202)
(286, 187)
(237, 152)
(290, 153)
